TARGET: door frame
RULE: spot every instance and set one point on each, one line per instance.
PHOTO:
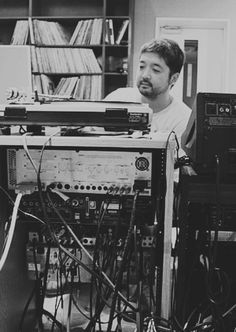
(173, 24)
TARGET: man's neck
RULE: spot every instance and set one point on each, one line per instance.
(158, 104)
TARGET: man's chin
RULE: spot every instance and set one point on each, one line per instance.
(146, 92)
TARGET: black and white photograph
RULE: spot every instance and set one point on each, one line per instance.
(117, 166)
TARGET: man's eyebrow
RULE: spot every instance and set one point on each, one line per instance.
(157, 65)
(154, 65)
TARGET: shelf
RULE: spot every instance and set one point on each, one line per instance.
(115, 73)
(113, 81)
(68, 8)
(6, 30)
(66, 73)
(66, 19)
(118, 8)
(14, 8)
(123, 45)
(67, 46)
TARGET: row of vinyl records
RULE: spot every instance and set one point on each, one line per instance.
(74, 87)
(64, 60)
(86, 32)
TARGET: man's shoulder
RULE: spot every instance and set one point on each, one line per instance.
(181, 106)
(128, 94)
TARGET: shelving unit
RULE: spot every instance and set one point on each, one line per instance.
(114, 59)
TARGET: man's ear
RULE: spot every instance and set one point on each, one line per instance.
(174, 78)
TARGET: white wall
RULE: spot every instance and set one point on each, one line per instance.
(15, 70)
(146, 12)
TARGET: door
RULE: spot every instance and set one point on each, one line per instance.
(206, 48)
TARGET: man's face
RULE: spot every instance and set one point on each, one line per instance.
(153, 75)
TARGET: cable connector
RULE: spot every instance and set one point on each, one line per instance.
(183, 161)
(60, 194)
(140, 185)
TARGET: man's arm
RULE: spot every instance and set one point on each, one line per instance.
(131, 95)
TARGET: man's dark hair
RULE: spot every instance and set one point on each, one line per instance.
(167, 49)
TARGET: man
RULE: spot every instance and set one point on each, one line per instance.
(160, 64)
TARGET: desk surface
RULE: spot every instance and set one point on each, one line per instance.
(157, 141)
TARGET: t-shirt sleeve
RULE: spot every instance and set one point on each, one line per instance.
(117, 95)
(181, 127)
(126, 95)
(179, 131)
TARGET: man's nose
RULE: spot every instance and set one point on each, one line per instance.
(147, 73)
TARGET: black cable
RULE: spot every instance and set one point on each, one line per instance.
(59, 292)
(22, 130)
(20, 327)
(100, 276)
(45, 276)
(38, 291)
(94, 319)
(175, 251)
(57, 302)
(139, 274)
(100, 306)
(55, 321)
(108, 291)
(20, 210)
(70, 301)
(96, 259)
(218, 217)
(128, 275)
(79, 309)
(67, 227)
(124, 258)
(41, 290)
(45, 217)
(200, 243)
(101, 300)
(200, 327)
(213, 297)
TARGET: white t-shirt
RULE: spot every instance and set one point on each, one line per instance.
(172, 118)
